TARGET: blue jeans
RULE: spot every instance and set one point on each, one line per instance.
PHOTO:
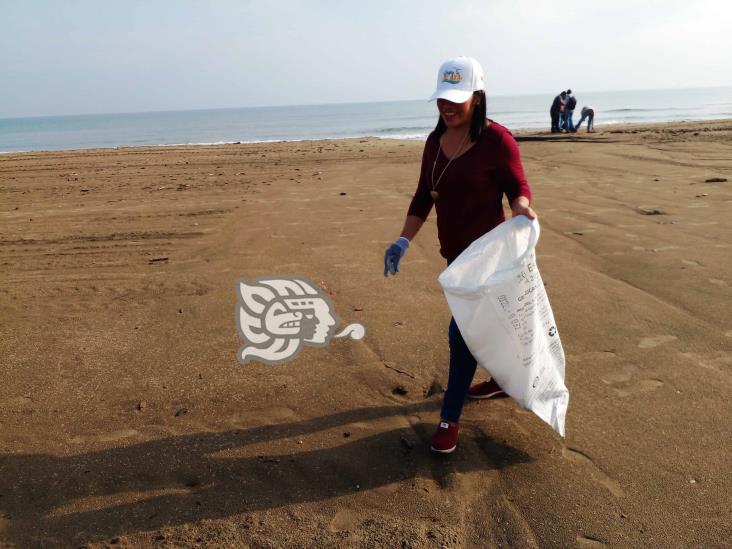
(568, 121)
(460, 375)
(462, 370)
(590, 119)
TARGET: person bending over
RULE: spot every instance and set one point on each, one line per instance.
(589, 114)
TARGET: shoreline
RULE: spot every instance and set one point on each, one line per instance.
(518, 132)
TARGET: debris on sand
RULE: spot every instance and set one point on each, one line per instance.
(397, 370)
(434, 389)
(650, 211)
(715, 180)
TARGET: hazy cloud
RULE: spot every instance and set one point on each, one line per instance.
(86, 56)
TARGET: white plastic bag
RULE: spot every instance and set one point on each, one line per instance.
(497, 298)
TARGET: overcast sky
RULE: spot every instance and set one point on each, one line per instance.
(93, 56)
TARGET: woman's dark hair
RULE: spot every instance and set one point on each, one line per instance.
(477, 123)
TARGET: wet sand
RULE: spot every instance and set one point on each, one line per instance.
(126, 419)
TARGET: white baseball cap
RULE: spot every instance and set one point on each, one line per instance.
(457, 79)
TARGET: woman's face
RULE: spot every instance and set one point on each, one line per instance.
(456, 115)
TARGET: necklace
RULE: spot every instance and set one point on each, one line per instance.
(433, 193)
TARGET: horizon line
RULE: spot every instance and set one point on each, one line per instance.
(208, 109)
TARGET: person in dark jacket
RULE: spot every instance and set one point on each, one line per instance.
(555, 111)
(570, 103)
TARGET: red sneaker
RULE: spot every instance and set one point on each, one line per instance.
(485, 389)
(445, 438)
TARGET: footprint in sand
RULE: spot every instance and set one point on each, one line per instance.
(97, 503)
(642, 386)
(576, 456)
(596, 355)
(518, 427)
(513, 525)
(114, 436)
(718, 361)
(263, 416)
(388, 489)
(655, 341)
(341, 223)
(344, 520)
(621, 375)
(276, 413)
(588, 542)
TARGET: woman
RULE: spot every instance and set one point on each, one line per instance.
(468, 164)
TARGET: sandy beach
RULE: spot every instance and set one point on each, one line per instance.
(126, 419)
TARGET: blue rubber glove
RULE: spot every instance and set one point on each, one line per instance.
(393, 254)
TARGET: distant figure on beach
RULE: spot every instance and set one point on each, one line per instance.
(468, 164)
(589, 114)
(570, 103)
(556, 110)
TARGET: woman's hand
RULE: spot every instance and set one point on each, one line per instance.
(521, 206)
(393, 254)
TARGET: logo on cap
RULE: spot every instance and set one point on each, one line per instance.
(452, 77)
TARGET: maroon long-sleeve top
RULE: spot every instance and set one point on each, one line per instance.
(471, 189)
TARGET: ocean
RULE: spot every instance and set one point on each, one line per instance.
(392, 120)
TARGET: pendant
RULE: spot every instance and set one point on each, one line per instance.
(435, 195)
